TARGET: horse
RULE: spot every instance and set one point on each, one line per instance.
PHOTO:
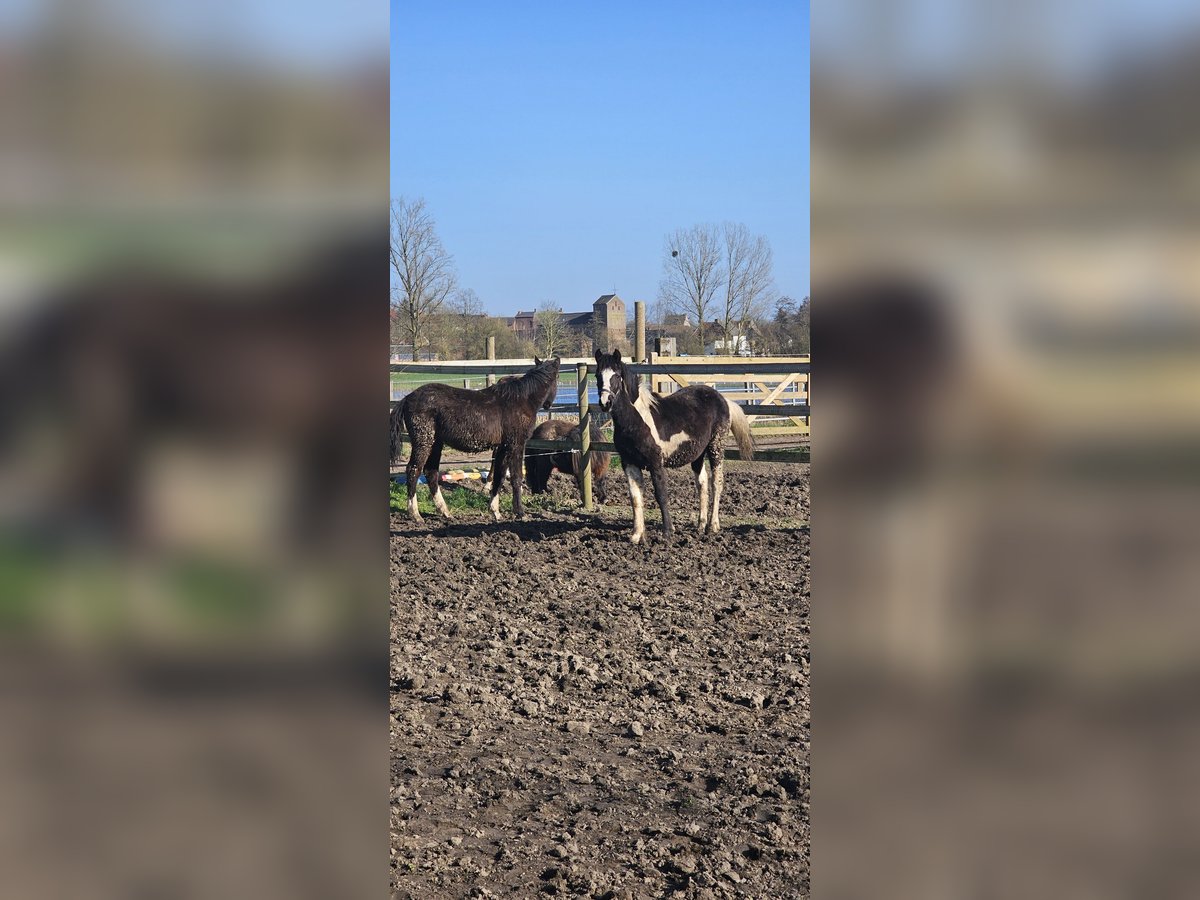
(659, 432)
(499, 418)
(540, 463)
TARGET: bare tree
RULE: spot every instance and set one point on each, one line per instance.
(467, 324)
(552, 331)
(691, 273)
(423, 270)
(749, 285)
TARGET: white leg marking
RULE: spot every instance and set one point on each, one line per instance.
(494, 506)
(413, 512)
(718, 482)
(702, 487)
(440, 502)
(644, 404)
(634, 476)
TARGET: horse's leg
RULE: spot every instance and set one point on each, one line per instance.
(598, 480)
(433, 478)
(659, 477)
(499, 464)
(716, 462)
(514, 473)
(702, 490)
(416, 462)
(634, 475)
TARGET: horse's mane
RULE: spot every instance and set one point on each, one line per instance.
(530, 386)
(649, 396)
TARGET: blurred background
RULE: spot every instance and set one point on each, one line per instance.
(193, 332)
(1005, 468)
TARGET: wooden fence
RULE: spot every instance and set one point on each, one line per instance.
(779, 385)
(752, 388)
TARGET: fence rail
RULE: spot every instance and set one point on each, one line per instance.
(519, 367)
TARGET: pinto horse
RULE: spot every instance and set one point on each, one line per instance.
(497, 418)
(660, 432)
(539, 464)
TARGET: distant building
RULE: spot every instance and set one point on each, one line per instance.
(523, 325)
(609, 322)
(666, 346)
(578, 321)
(739, 345)
(672, 327)
(603, 324)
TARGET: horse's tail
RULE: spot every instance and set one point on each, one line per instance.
(395, 429)
(740, 426)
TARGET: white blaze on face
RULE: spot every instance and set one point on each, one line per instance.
(645, 401)
(605, 385)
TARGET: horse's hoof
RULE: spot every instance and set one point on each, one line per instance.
(635, 538)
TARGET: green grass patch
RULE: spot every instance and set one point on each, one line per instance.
(462, 499)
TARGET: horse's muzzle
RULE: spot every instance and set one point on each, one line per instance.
(606, 400)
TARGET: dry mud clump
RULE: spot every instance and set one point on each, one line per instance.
(573, 715)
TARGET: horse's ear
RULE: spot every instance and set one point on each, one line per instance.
(599, 357)
(616, 356)
(536, 361)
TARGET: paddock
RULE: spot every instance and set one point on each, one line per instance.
(575, 715)
(581, 714)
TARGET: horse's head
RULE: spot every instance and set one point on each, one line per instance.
(612, 377)
(548, 368)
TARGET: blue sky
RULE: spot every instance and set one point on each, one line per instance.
(556, 144)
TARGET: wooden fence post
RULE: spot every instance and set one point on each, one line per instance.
(639, 331)
(491, 354)
(585, 435)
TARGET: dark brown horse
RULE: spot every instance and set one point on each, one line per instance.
(539, 464)
(497, 418)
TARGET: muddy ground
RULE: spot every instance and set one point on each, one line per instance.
(573, 715)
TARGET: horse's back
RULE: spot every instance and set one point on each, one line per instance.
(464, 419)
(698, 397)
(436, 396)
(553, 430)
(700, 406)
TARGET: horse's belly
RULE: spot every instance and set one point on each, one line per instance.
(468, 438)
(472, 445)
